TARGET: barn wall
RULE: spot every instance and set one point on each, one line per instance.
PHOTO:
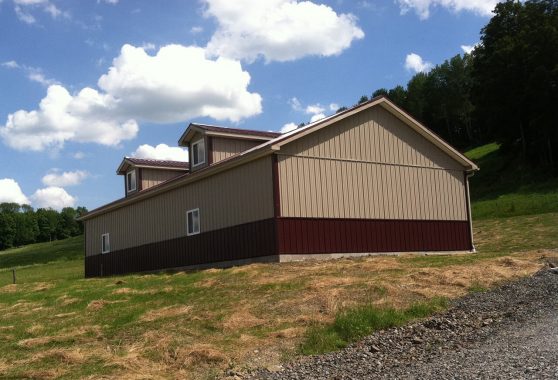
(237, 196)
(370, 166)
(222, 148)
(152, 177)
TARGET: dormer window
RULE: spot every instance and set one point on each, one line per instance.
(131, 181)
(198, 152)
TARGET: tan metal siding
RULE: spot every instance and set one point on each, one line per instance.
(223, 148)
(374, 135)
(240, 195)
(370, 166)
(152, 177)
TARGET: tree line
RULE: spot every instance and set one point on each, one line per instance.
(21, 224)
(505, 90)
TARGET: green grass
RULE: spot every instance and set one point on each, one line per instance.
(353, 324)
(504, 187)
(480, 152)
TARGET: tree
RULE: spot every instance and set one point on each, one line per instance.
(7, 230)
(515, 73)
(47, 220)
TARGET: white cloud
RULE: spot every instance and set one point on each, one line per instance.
(11, 192)
(39, 77)
(53, 197)
(288, 127)
(34, 74)
(313, 109)
(161, 152)
(279, 30)
(423, 7)
(11, 64)
(414, 62)
(78, 155)
(55, 178)
(295, 104)
(196, 29)
(317, 117)
(61, 117)
(111, 2)
(179, 83)
(176, 84)
(333, 107)
(468, 49)
(22, 9)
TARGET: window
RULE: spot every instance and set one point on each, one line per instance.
(131, 180)
(105, 243)
(198, 152)
(193, 222)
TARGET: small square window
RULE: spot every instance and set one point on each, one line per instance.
(198, 152)
(105, 243)
(131, 180)
(193, 222)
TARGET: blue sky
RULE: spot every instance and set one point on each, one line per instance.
(85, 83)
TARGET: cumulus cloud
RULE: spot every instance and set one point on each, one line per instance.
(279, 30)
(333, 107)
(179, 83)
(11, 192)
(161, 152)
(288, 127)
(84, 117)
(72, 178)
(53, 197)
(423, 7)
(176, 84)
(414, 62)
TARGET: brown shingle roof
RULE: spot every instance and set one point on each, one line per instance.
(159, 163)
(238, 131)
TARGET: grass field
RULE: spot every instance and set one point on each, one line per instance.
(55, 324)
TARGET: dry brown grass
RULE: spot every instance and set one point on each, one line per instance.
(74, 334)
(166, 312)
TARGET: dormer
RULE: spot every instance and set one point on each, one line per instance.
(141, 174)
(209, 144)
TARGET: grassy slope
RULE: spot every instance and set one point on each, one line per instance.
(53, 323)
(504, 188)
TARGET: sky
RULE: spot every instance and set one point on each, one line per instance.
(85, 83)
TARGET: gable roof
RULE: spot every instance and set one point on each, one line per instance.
(214, 130)
(275, 144)
(150, 163)
(387, 104)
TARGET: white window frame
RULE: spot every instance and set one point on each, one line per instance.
(128, 187)
(103, 250)
(188, 233)
(202, 158)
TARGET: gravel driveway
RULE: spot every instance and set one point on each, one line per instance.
(507, 333)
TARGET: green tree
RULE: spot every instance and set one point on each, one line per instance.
(7, 230)
(47, 220)
(515, 73)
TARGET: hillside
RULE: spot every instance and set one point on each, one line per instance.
(504, 187)
(55, 324)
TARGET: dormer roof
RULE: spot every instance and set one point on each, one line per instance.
(214, 130)
(128, 162)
